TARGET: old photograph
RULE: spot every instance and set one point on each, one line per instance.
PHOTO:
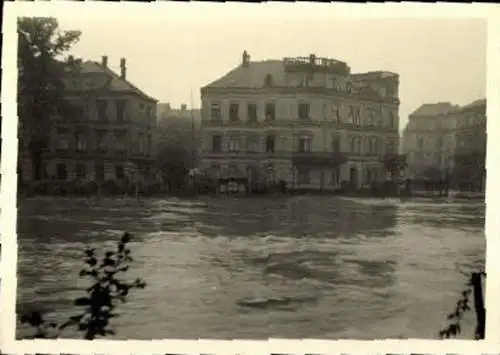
(251, 177)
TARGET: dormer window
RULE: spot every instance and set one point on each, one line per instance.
(268, 81)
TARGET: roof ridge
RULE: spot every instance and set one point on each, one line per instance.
(118, 77)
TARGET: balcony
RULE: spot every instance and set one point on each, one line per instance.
(319, 158)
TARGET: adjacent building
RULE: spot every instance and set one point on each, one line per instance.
(308, 121)
(109, 133)
(442, 140)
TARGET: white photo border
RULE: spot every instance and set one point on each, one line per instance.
(8, 190)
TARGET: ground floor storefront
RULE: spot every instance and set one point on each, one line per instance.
(88, 169)
(302, 174)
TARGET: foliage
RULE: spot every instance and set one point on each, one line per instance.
(100, 299)
(40, 84)
(462, 306)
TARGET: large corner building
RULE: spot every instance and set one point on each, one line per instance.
(308, 121)
(109, 135)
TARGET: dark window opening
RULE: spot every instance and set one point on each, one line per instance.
(99, 172)
(270, 112)
(270, 140)
(234, 114)
(216, 143)
(304, 110)
(215, 112)
(62, 172)
(120, 110)
(80, 171)
(252, 112)
(119, 172)
(268, 81)
(102, 110)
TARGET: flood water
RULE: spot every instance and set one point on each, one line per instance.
(349, 267)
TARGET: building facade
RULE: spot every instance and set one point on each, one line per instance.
(307, 121)
(109, 133)
(442, 140)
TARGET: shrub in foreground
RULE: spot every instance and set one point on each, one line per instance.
(100, 299)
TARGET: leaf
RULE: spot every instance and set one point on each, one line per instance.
(126, 238)
(82, 301)
(35, 319)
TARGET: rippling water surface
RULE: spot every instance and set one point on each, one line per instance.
(222, 268)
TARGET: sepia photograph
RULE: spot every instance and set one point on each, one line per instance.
(251, 178)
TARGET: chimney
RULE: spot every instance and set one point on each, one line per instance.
(104, 61)
(183, 107)
(245, 59)
(71, 59)
(123, 68)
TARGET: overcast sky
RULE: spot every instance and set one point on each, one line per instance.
(169, 57)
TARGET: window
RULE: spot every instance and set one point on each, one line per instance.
(305, 144)
(392, 120)
(99, 172)
(216, 143)
(234, 144)
(63, 140)
(268, 81)
(335, 180)
(270, 111)
(372, 145)
(120, 140)
(215, 112)
(120, 110)
(270, 176)
(335, 143)
(119, 171)
(370, 118)
(214, 170)
(304, 110)
(80, 171)
(356, 114)
(252, 143)
(141, 143)
(234, 114)
(252, 112)
(149, 112)
(335, 113)
(101, 139)
(303, 177)
(420, 142)
(102, 110)
(358, 145)
(390, 147)
(270, 140)
(62, 172)
(81, 142)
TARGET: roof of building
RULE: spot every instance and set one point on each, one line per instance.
(435, 109)
(117, 83)
(252, 76)
(476, 103)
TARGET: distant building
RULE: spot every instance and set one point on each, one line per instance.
(180, 126)
(108, 136)
(444, 140)
(308, 121)
(428, 140)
